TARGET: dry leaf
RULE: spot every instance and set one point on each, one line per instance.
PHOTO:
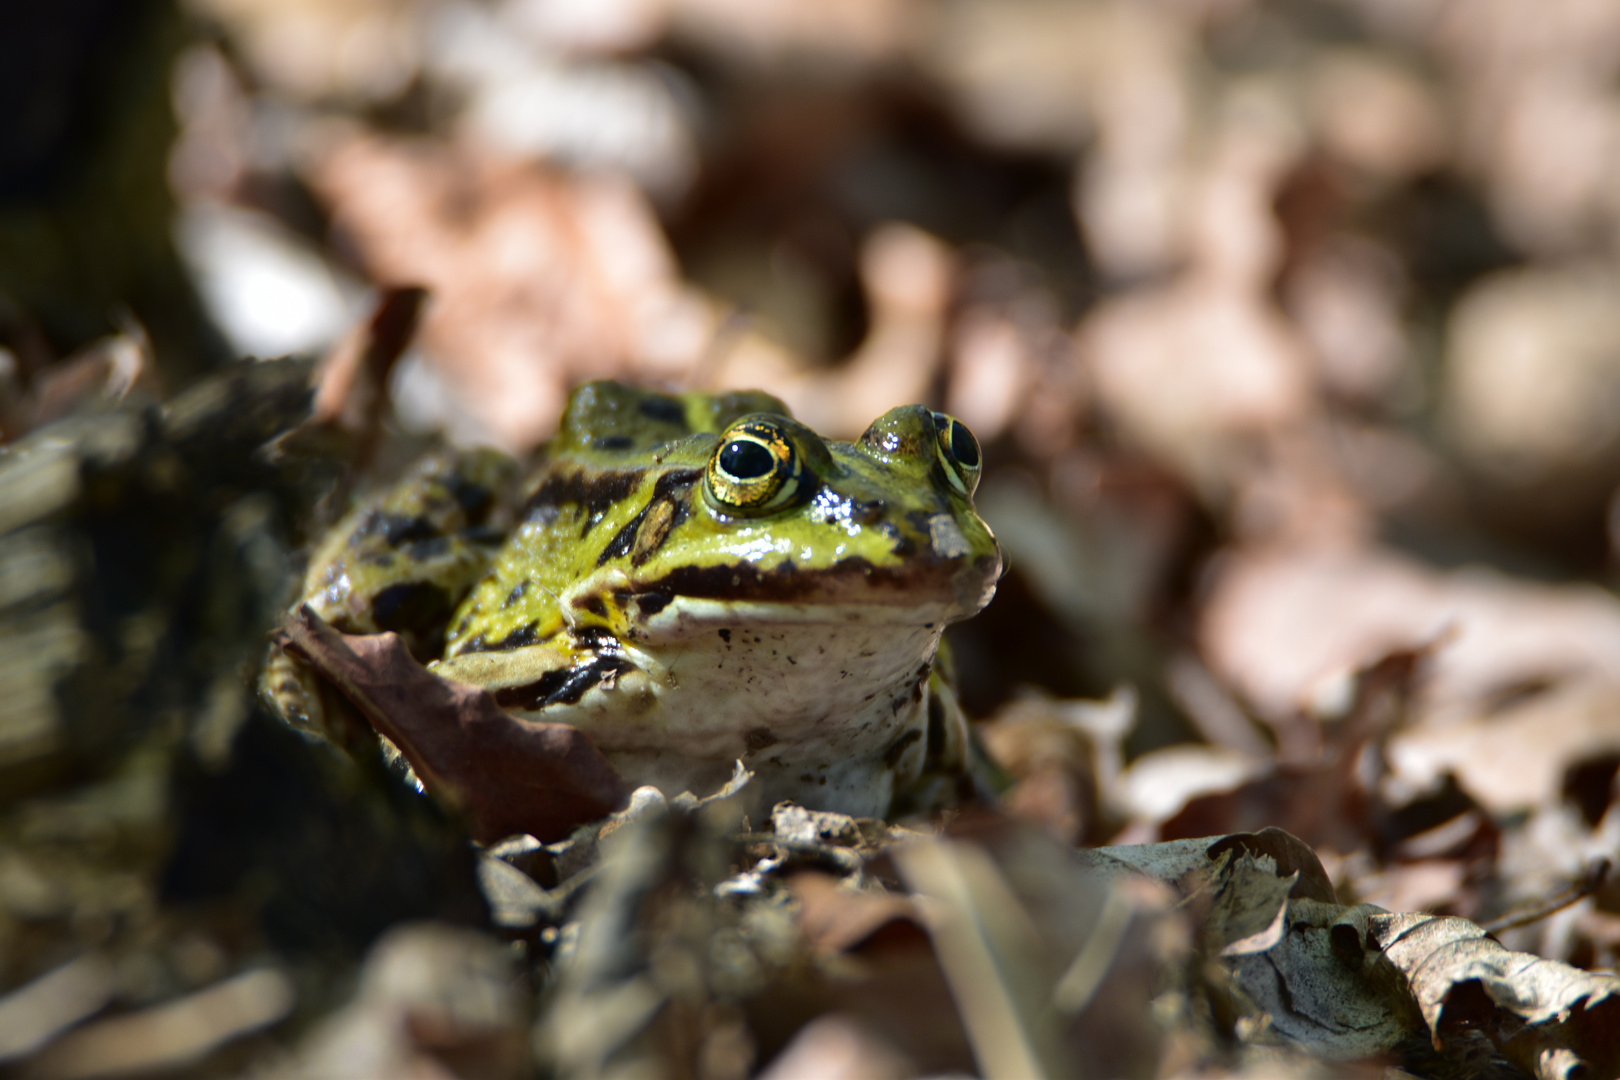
(508, 776)
(540, 278)
(838, 919)
(1519, 684)
(1553, 1020)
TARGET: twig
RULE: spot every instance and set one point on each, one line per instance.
(1589, 883)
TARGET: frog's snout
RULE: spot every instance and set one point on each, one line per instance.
(976, 582)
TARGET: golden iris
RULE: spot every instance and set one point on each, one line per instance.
(753, 469)
(959, 450)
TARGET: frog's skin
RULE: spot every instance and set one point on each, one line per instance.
(406, 559)
(699, 580)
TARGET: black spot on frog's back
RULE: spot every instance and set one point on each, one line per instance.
(475, 499)
(664, 410)
(427, 548)
(622, 541)
(393, 529)
(609, 417)
(597, 639)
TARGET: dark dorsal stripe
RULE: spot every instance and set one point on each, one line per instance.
(673, 487)
(592, 491)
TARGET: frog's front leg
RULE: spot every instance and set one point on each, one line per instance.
(956, 766)
(529, 680)
(584, 639)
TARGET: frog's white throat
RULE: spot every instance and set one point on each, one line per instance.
(827, 707)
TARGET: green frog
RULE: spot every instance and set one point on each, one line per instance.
(696, 580)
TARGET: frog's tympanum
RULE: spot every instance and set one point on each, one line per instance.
(693, 581)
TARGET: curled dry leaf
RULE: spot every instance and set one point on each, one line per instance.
(1551, 1019)
(1521, 683)
(1345, 982)
(1178, 862)
(1269, 915)
(506, 775)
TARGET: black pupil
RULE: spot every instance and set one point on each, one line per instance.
(964, 447)
(746, 460)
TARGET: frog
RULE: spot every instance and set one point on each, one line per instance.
(697, 580)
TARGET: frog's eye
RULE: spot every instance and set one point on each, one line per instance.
(754, 469)
(959, 450)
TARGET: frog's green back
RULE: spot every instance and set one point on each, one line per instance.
(609, 425)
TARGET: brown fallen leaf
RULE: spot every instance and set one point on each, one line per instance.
(835, 919)
(1522, 683)
(1323, 790)
(1296, 971)
(506, 775)
(1551, 1019)
(541, 278)
(1353, 982)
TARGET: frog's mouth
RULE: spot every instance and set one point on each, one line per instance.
(957, 587)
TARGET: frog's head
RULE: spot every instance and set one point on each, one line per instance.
(766, 512)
